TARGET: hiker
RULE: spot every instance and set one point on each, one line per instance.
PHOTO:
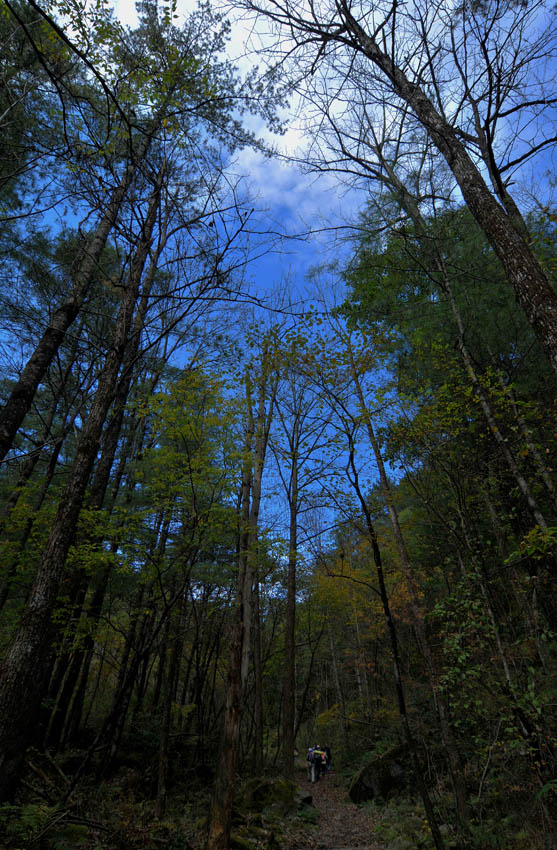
(316, 763)
(329, 758)
(309, 761)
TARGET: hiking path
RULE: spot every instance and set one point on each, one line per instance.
(342, 825)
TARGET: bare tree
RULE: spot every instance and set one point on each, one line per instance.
(475, 78)
(298, 449)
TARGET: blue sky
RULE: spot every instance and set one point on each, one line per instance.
(286, 200)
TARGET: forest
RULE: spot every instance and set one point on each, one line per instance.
(241, 518)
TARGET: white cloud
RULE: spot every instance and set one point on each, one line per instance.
(286, 199)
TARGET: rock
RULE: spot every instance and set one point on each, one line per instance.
(238, 842)
(413, 824)
(309, 814)
(260, 794)
(381, 777)
(401, 843)
(302, 798)
(253, 838)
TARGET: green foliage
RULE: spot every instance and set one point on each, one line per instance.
(537, 544)
(47, 824)
(548, 788)
(309, 815)
(402, 821)
(164, 548)
(481, 562)
(397, 286)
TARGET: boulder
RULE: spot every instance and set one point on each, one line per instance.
(302, 798)
(260, 794)
(401, 843)
(261, 808)
(378, 780)
(254, 839)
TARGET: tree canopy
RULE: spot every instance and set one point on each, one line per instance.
(235, 526)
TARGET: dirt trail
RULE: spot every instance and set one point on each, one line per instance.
(342, 825)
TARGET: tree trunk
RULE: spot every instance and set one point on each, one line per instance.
(81, 661)
(225, 780)
(338, 687)
(72, 663)
(531, 287)
(23, 393)
(540, 465)
(169, 688)
(412, 746)
(23, 672)
(410, 206)
(447, 737)
(289, 680)
(254, 459)
(258, 677)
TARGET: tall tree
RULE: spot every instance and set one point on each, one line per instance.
(23, 670)
(256, 437)
(298, 445)
(463, 74)
(159, 73)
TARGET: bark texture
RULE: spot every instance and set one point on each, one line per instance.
(23, 393)
(531, 287)
(24, 670)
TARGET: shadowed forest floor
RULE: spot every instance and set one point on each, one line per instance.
(342, 825)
